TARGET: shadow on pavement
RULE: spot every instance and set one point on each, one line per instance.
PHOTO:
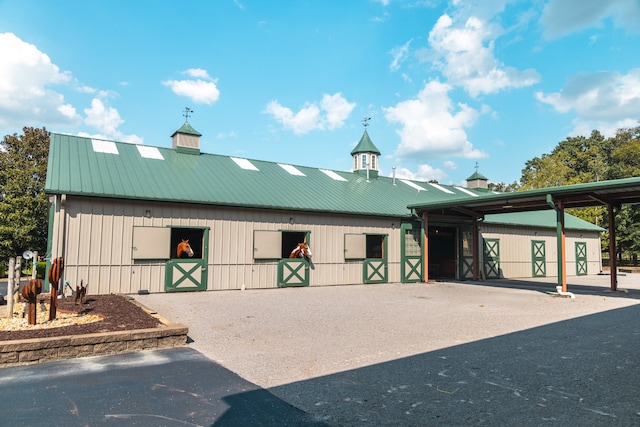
(550, 287)
(172, 387)
(582, 371)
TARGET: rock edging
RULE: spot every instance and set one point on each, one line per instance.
(31, 351)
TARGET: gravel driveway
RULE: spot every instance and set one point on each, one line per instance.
(443, 353)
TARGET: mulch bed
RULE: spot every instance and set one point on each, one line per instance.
(120, 314)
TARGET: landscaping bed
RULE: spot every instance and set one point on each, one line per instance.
(125, 325)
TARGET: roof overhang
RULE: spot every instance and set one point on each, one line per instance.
(615, 192)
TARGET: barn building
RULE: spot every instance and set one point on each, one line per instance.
(119, 210)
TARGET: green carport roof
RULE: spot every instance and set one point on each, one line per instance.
(614, 192)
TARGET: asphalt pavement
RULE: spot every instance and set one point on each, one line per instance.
(469, 353)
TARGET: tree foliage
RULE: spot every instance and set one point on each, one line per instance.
(23, 204)
(591, 159)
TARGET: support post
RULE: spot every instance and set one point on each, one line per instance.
(425, 249)
(560, 238)
(475, 252)
(613, 262)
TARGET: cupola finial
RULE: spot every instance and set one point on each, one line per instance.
(187, 112)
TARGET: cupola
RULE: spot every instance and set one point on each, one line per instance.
(365, 155)
(477, 180)
(186, 139)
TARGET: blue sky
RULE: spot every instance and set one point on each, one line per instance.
(445, 83)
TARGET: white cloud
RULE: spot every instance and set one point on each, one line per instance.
(450, 165)
(198, 73)
(430, 127)
(603, 100)
(107, 120)
(329, 114)
(464, 49)
(399, 54)
(562, 17)
(27, 76)
(201, 88)
(425, 173)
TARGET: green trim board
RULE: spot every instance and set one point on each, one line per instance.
(411, 253)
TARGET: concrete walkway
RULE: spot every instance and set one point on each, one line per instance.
(497, 352)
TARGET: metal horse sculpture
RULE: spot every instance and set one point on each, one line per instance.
(55, 273)
(184, 249)
(30, 293)
(302, 251)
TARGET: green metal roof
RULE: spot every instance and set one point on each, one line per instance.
(477, 175)
(96, 168)
(188, 129)
(542, 219)
(365, 145)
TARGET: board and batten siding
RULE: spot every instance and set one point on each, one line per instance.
(99, 241)
(515, 249)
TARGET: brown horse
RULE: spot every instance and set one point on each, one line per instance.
(184, 249)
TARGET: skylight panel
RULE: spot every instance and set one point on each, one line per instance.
(245, 164)
(291, 169)
(101, 146)
(441, 188)
(411, 184)
(464, 190)
(149, 152)
(332, 175)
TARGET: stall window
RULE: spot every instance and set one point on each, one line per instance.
(361, 246)
(162, 242)
(277, 244)
(195, 236)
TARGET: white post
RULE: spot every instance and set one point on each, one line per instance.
(16, 291)
(34, 266)
(10, 287)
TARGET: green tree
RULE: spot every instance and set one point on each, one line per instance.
(23, 204)
(579, 160)
(503, 187)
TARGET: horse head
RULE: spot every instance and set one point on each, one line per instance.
(301, 251)
(184, 248)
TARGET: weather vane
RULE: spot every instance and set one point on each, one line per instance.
(365, 121)
(187, 112)
(477, 166)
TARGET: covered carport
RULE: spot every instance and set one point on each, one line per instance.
(612, 194)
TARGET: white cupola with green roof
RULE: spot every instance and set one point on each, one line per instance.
(365, 155)
(186, 139)
(477, 180)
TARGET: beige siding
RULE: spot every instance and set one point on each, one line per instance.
(515, 249)
(98, 247)
(100, 232)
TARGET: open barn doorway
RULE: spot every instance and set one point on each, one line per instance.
(442, 252)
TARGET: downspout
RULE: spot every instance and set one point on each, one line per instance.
(560, 238)
(63, 243)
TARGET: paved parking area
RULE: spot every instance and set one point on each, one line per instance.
(498, 352)
(446, 353)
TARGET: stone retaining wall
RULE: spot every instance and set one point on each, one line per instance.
(29, 351)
